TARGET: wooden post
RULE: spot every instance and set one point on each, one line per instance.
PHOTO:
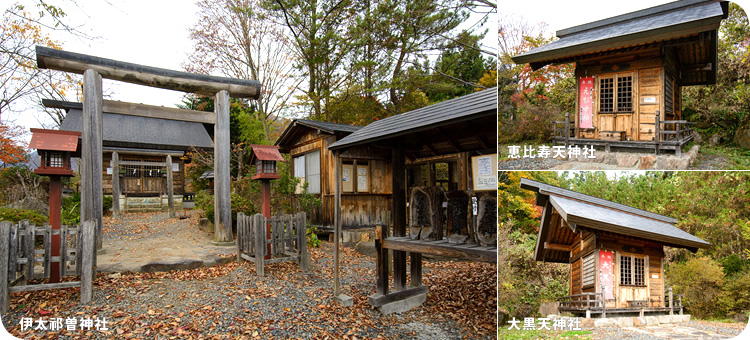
(170, 187)
(259, 224)
(240, 234)
(91, 174)
(680, 299)
(304, 262)
(88, 230)
(115, 184)
(399, 215)
(337, 220)
(4, 253)
(567, 128)
(671, 304)
(222, 198)
(604, 302)
(657, 132)
(381, 264)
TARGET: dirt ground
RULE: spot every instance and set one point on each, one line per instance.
(139, 239)
(230, 301)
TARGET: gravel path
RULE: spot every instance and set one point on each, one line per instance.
(706, 161)
(230, 301)
(528, 163)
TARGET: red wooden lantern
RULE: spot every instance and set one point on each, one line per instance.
(55, 147)
(265, 158)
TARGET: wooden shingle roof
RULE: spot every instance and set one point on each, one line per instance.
(660, 23)
(464, 118)
(141, 132)
(583, 211)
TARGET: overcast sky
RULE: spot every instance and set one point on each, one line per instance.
(148, 32)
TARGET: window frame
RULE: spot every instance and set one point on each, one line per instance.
(305, 160)
(615, 90)
(634, 274)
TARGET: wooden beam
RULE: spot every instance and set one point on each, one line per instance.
(377, 300)
(336, 220)
(88, 259)
(49, 58)
(91, 174)
(470, 252)
(556, 246)
(170, 187)
(115, 184)
(161, 112)
(222, 199)
(398, 214)
(141, 110)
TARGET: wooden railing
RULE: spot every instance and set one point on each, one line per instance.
(288, 240)
(672, 305)
(562, 128)
(19, 258)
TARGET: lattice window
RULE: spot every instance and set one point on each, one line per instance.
(606, 94)
(625, 94)
(55, 159)
(589, 270)
(632, 271)
(626, 273)
(638, 277)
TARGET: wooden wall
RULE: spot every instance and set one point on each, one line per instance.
(647, 67)
(151, 186)
(360, 209)
(652, 252)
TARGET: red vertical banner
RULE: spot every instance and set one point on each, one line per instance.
(586, 102)
(606, 273)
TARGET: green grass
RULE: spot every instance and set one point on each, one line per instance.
(504, 333)
(737, 158)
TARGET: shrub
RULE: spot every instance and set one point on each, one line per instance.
(312, 236)
(735, 297)
(16, 215)
(700, 280)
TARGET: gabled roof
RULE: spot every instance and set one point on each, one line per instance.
(265, 153)
(473, 108)
(140, 132)
(583, 211)
(54, 140)
(292, 131)
(669, 21)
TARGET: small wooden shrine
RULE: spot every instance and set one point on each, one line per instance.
(630, 70)
(615, 252)
(459, 132)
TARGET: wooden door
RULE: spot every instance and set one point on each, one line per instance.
(631, 279)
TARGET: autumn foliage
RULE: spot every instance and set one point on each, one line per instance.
(12, 149)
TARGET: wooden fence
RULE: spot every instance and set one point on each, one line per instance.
(21, 260)
(288, 240)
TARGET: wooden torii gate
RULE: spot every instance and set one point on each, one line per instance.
(95, 68)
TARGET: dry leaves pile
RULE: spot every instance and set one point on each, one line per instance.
(231, 301)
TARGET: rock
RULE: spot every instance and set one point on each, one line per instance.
(624, 322)
(608, 322)
(740, 318)
(684, 318)
(366, 248)
(627, 160)
(665, 318)
(639, 322)
(742, 137)
(714, 140)
(647, 162)
(672, 163)
(698, 139)
(651, 321)
(502, 317)
(167, 266)
(404, 305)
(114, 276)
(546, 308)
(587, 323)
(31, 203)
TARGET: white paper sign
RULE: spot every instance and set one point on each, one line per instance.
(345, 174)
(484, 166)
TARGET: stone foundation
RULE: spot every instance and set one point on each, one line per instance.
(626, 321)
(642, 161)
